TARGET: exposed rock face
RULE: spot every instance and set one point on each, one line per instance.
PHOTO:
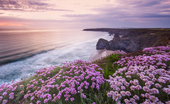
(133, 39)
(117, 43)
(126, 45)
(102, 44)
(116, 38)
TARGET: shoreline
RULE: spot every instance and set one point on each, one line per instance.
(100, 54)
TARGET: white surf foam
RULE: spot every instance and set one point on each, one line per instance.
(22, 69)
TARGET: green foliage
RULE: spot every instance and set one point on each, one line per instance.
(110, 67)
(113, 57)
(99, 97)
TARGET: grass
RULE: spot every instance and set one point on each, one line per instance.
(106, 63)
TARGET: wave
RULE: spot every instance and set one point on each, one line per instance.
(25, 66)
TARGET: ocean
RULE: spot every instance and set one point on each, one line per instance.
(24, 51)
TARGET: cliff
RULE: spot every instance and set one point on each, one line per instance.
(133, 39)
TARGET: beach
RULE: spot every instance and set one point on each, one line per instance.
(100, 54)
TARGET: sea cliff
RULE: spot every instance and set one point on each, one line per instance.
(130, 40)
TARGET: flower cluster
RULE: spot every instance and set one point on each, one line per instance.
(157, 60)
(143, 78)
(137, 84)
(73, 79)
(80, 76)
(44, 71)
(157, 50)
(7, 92)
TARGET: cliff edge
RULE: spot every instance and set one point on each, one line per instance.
(130, 40)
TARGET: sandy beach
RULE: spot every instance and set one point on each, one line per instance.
(100, 54)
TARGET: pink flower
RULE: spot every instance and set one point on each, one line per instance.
(4, 93)
(168, 102)
(128, 93)
(4, 101)
(109, 94)
(1, 98)
(126, 101)
(66, 99)
(147, 95)
(142, 95)
(136, 97)
(118, 96)
(132, 100)
(22, 92)
(11, 95)
(45, 100)
(38, 102)
(135, 82)
(128, 76)
(132, 87)
(83, 96)
(71, 99)
(145, 88)
(167, 90)
(157, 85)
(154, 99)
(154, 91)
(32, 98)
(123, 87)
(123, 93)
(1, 90)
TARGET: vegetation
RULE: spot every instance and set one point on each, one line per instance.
(138, 77)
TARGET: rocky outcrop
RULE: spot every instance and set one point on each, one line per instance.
(102, 44)
(117, 44)
(126, 45)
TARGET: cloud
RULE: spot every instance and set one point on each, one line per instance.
(77, 15)
(148, 3)
(155, 16)
(112, 13)
(165, 11)
(129, 13)
(31, 23)
(28, 5)
(38, 3)
(142, 3)
(11, 24)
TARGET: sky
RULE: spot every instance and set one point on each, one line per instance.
(84, 13)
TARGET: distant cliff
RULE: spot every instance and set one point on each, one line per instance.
(133, 39)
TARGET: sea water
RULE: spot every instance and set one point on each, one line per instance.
(24, 51)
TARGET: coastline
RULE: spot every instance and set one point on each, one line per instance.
(47, 80)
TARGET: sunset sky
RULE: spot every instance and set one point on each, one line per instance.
(84, 13)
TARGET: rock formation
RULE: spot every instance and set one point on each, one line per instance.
(133, 39)
(126, 45)
(117, 43)
(102, 44)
